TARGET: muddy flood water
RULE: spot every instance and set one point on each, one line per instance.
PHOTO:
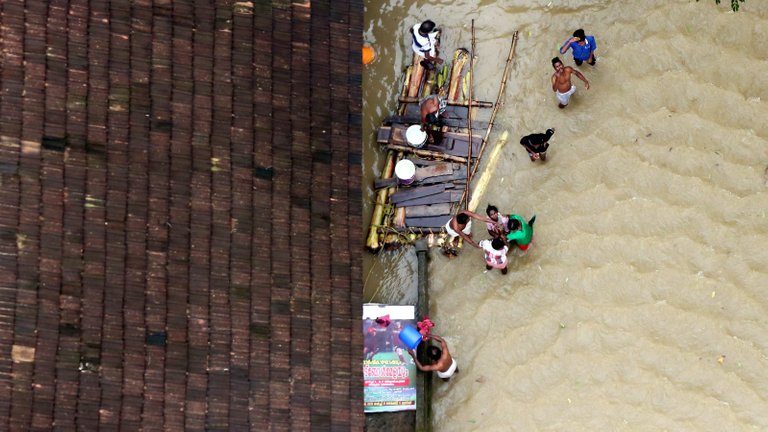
(643, 304)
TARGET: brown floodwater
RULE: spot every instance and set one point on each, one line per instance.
(643, 304)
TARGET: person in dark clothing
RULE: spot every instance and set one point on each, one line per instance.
(537, 144)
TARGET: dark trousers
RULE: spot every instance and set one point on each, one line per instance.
(579, 62)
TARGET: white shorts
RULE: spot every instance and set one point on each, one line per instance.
(417, 50)
(565, 97)
(451, 370)
(453, 234)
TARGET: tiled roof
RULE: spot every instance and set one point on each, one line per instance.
(180, 215)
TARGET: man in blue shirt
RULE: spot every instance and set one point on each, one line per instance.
(583, 47)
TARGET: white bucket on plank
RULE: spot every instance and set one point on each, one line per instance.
(415, 136)
(405, 171)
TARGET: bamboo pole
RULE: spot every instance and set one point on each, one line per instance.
(460, 57)
(381, 201)
(404, 92)
(469, 111)
(502, 87)
(409, 71)
(409, 230)
(498, 103)
(427, 153)
(417, 76)
(479, 104)
(400, 217)
(483, 178)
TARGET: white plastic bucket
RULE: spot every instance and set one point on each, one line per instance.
(415, 136)
(405, 171)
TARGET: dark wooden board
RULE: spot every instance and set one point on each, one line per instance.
(450, 122)
(428, 210)
(383, 134)
(442, 169)
(409, 193)
(452, 111)
(427, 222)
(453, 143)
(397, 135)
(385, 183)
(450, 196)
(425, 162)
(458, 175)
(456, 144)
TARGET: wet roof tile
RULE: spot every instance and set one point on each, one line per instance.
(180, 215)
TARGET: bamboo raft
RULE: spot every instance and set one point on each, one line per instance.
(405, 213)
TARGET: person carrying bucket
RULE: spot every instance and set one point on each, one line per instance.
(520, 231)
(443, 364)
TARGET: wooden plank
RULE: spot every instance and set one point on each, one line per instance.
(428, 210)
(442, 197)
(383, 134)
(452, 143)
(457, 176)
(451, 111)
(449, 196)
(427, 222)
(397, 135)
(417, 76)
(450, 122)
(456, 144)
(426, 162)
(441, 169)
(385, 183)
(416, 192)
(426, 153)
(477, 103)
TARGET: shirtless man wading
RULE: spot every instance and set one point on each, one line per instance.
(561, 82)
(443, 364)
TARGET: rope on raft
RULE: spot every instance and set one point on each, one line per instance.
(403, 234)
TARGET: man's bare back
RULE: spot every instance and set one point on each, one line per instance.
(430, 105)
(441, 365)
(445, 361)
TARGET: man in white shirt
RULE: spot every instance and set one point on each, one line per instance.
(424, 41)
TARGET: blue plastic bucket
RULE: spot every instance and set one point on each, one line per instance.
(410, 336)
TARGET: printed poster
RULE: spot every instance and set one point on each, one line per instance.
(388, 370)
